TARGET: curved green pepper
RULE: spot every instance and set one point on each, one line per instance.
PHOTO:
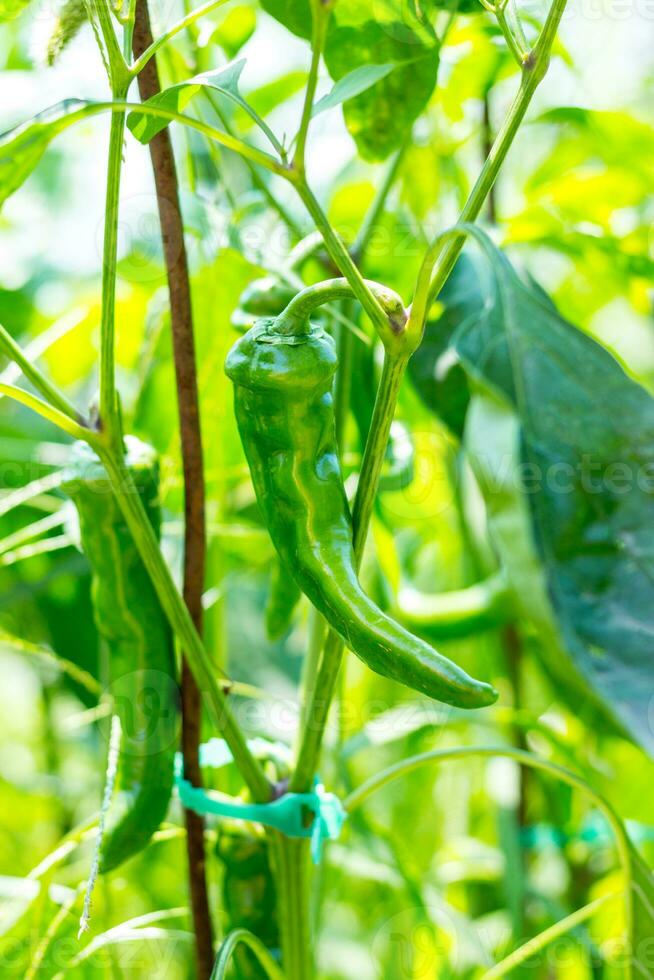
(136, 648)
(284, 409)
(465, 612)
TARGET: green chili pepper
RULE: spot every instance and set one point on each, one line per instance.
(483, 606)
(283, 598)
(283, 371)
(136, 648)
(249, 896)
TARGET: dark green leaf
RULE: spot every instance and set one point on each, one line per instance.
(586, 472)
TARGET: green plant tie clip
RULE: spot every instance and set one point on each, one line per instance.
(289, 814)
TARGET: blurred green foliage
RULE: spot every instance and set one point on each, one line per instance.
(443, 873)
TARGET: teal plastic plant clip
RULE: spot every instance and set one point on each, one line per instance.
(288, 814)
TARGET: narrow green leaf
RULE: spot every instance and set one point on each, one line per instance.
(357, 81)
(21, 148)
(224, 81)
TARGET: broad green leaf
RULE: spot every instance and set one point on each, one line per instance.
(22, 148)
(392, 32)
(585, 472)
(223, 81)
(363, 34)
(293, 14)
(492, 442)
(435, 368)
(352, 84)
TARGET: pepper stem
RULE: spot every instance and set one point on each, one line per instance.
(293, 320)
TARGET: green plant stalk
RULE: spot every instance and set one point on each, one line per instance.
(529, 949)
(46, 411)
(338, 252)
(407, 766)
(229, 142)
(321, 12)
(292, 880)
(109, 412)
(535, 67)
(190, 18)
(49, 391)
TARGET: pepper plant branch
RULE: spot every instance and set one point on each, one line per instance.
(257, 156)
(49, 391)
(339, 253)
(532, 947)
(193, 16)
(181, 316)
(325, 683)
(109, 414)
(320, 20)
(61, 419)
(241, 937)
(439, 262)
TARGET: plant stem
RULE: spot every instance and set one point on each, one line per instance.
(241, 937)
(339, 254)
(534, 946)
(109, 412)
(320, 21)
(46, 411)
(181, 315)
(145, 55)
(292, 880)
(444, 257)
(49, 391)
